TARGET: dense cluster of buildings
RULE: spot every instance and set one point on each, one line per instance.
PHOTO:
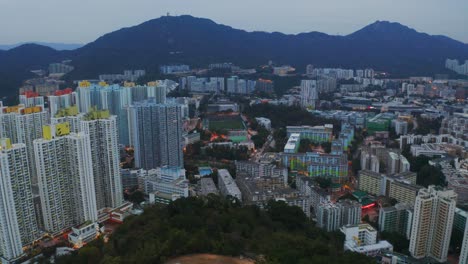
(163, 184)
(61, 163)
(401, 187)
(60, 68)
(455, 66)
(41, 86)
(332, 216)
(231, 85)
(456, 126)
(261, 182)
(417, 142)
(457, 178)
(128, 75)
(333, 165)
(60, 155)
(174, 69)
(67, 177)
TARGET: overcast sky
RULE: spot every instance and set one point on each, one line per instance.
(82, 21)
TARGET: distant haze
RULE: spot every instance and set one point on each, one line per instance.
(85, 20)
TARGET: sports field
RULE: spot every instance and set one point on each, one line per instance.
(226, 124)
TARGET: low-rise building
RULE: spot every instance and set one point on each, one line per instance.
(457, 178)
(431, 150)
(314, 133)
(293, 143)
(334, 167)
(83, 234)
(262, 169)
(362, 238)
(227, 185)
(191, 138)
(259, 190)
(208, 186)
(129, 178)
(164, 182)
(264, 122)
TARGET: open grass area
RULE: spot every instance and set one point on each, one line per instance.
(226, 124)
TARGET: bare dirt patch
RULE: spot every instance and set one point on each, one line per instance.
(209, 259)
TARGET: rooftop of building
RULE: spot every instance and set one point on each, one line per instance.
(264, 186)
(327, 127)
(293, 140)
(95, 114)
(69, 111)
(359, 194)
(382, 244)
(408, 185)
(397, 207)
(370, 173)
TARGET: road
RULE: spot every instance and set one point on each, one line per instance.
(260, 151)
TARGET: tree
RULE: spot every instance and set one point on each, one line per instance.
(323, 182)
(304, 145)
(428, 126)
(90, 254)
(137, 197)
(399, 241)
(326, 146)
(456, 241)
(430, 175)
(279, 234)
(356, 165)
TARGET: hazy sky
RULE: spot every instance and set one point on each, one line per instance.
(82, 21)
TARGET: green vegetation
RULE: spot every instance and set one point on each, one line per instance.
(430, 175)
(399, 241)
(323, 182)
(136, 197)
(282, 116)
(226, 124)
(280, 234)
(359, 136)
(427, 126)
(262, 134)
(220, 152)
(279, 135)
(426, 174)
(456, 241)
(284, 83)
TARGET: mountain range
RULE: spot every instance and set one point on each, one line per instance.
(384, 46)
(56, 46)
